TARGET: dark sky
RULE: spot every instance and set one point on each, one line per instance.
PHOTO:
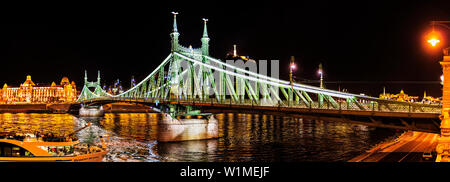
(371, 42)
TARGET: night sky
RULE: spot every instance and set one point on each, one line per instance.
(366, 44)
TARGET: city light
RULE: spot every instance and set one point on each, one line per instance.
(433, 41)
(434, 38)
(320, 70)
(291, 80)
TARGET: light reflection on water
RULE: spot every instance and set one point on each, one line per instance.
(30, 122)
(243, 137)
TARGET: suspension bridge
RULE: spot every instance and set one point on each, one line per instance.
(190, 79)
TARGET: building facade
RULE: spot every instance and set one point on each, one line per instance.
(399, 97)
(29, 92)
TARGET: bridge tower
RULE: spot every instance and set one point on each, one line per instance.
(174, 68)
(197, 81)
(205, 39)
(205, 52)
(98, 78)
(86, 93)
(174, 35)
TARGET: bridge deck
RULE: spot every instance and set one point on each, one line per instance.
(286, 109)
(399, 119)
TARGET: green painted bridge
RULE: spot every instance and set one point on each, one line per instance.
(189, 77)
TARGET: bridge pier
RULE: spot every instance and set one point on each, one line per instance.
(182, 123)
(187, 128)
(91, 111)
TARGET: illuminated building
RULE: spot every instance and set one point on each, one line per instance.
(235, 56)
(132, 82)
(29, 92)
(399, 97)
(116, 88)
(429, 99)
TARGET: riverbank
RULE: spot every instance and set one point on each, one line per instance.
(34, 108)
(64, 108)
(408, 147)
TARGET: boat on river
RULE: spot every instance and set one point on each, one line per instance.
(31, 148)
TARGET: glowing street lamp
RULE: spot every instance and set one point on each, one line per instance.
(433, 41)
(292, 67)
(320, 71)
(433, 37)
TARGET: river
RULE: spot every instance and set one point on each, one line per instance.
(243, 137)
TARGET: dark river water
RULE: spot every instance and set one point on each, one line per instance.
(243, 137)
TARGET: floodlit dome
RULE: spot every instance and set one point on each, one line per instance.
(28, 81)
(65, 81)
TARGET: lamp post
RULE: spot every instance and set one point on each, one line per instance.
(443, 146)
(291, 67)
(320, 71)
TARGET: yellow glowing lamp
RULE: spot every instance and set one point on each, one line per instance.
(433, 41)
(293, 66)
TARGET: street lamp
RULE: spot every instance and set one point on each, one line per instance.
(443, 147)
(292, 66)
(320, 71)
(434, 36)
(433, 41)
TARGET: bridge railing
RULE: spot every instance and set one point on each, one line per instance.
(381, 106)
